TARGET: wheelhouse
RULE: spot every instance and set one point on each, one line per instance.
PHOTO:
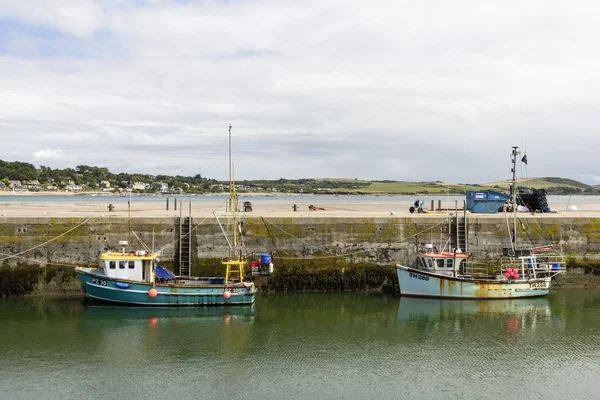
(135, 266)
(441, 262)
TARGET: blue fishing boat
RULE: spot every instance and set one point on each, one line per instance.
(135, 278)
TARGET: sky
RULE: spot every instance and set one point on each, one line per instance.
(381, 90)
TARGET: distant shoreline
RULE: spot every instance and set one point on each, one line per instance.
(242, 194)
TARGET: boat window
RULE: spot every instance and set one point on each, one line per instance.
(131, 264)
(449, 263)
(440, 262)
(112, 264)
(429, 262)
(121, 264)
(420, 262)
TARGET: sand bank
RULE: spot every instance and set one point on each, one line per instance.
(272, 207)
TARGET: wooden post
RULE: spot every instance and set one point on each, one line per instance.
(431, 205)
(439, 205)
(167, 204)
(175, 203)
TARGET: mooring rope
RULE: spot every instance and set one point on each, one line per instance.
(345, 254)
(191, 230)
(40, 261)
(49, 241)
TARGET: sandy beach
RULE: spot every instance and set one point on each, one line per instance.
(339, 207)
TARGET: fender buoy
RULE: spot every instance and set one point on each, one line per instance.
(152, 292)
(227, 295)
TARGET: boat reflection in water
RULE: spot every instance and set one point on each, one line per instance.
(515, 313)
(146, 334)
(106, 316)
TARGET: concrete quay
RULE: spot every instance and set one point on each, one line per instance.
(76, 233)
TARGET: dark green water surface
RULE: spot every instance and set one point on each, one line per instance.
(304, 346)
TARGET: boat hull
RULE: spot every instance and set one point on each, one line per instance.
(417, 283)
(101, 288)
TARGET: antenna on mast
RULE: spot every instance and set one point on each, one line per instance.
(230, 193)
(513, 195)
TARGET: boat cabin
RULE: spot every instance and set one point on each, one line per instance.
(448, 263)
(134, 266)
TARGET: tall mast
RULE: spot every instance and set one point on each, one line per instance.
(234, 211)
(230, 193)
(513, 195)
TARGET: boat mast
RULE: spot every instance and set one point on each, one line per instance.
(230, 199)
(513, 195)
(234, 204)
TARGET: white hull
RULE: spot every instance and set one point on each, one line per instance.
(418, 283)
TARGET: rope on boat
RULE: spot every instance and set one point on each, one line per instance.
(144, 245)
(272, 238)
(49, 241)
(300, 240)
(41, 262)
(345, 254)
(191, 230)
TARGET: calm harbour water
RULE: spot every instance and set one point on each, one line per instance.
(306, 346)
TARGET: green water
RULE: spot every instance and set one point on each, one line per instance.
(305, 346)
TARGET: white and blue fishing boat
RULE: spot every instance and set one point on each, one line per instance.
(446, 274)
(135, 278)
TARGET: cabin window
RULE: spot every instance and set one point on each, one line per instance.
(420, 262)
(121, 264)
(429, 263)
(440, 263)
(112, 264)
(449, 263)
(131, 264)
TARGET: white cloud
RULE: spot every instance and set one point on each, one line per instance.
(387, 90)
(48, 154)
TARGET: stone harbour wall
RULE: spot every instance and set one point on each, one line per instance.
(79, 241)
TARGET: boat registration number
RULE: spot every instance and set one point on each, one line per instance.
(101, 282)
(537, 284)
(417, 276)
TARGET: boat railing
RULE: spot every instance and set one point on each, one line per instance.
(479, 271)
(536, 266)
(539, 266)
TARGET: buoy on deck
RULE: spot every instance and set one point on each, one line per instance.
(226, 294)
(152, 292)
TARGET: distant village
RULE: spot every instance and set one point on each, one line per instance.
(69, 186)
(19, 177)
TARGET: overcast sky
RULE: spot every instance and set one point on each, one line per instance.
(399, 90)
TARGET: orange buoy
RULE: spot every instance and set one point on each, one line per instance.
(227, 295)
(152, 292)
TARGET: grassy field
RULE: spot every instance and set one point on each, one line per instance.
(541, 183)
(416, 187)
(401, 187)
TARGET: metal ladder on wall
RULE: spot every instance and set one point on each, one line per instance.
(459, 228)
(185, 243)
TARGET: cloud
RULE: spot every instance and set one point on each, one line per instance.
(387, 90)
(48, 154)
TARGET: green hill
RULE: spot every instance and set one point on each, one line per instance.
(552, 185)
